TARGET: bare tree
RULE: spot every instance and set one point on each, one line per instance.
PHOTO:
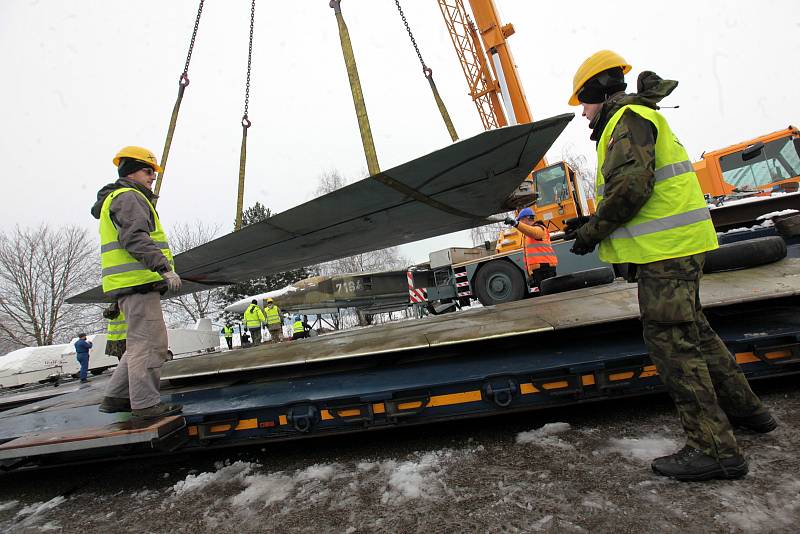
(194, 306)
(379, 260)
(39, 269)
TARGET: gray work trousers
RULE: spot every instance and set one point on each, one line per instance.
(139, 371)
(255, 335)
(275, 332)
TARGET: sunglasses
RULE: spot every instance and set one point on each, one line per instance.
(149, 171)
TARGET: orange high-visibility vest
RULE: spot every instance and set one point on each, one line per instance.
(539, 252)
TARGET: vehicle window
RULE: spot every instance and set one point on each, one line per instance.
(551, 184)
(777, 161)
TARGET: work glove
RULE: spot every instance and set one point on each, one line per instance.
(510, 221)
(581, 247)
(572, 225)
(173, 281)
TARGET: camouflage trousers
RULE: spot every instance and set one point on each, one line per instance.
(699, 372)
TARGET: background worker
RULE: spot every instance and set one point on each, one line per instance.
(540, 258)
(298, 328)
(274, 321)
(82, 355)
(117, 332)
(253, 319)
(227, 333)
(652, 215)
(137, 268)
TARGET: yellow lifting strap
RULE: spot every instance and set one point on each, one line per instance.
(245, 123)
(183, 83)
(428, 72)
(355, 88)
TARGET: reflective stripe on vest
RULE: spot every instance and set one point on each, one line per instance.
(298, 327)
(273, 315)
(539, 252)
(117, 328)
(119, 268)
(675, 220)
(253, 316)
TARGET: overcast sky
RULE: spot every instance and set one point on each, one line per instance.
(82, 78)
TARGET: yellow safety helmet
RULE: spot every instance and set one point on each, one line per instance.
(270, 301)
(595, 64)
(138, 153)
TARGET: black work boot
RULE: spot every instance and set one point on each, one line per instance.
(691, 465)
(114, 405)
(158, 410)
(761, 423)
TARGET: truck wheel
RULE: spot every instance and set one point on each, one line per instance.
(745, 254)
(577, 280)
(97, 372)
(497, 282)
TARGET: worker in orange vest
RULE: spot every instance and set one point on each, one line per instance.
(540, 258)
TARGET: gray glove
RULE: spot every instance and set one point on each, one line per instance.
(510, 222)
(173, 281)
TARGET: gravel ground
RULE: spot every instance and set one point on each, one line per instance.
(582, 469)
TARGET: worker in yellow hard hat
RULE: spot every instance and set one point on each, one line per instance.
(137, 268)
(274, 321)
(651, 215)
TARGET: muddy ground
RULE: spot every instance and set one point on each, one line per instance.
(581, 469)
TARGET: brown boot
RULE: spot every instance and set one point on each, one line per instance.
(159, 410)
(114, 405)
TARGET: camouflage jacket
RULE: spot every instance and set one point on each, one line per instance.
(629, 167)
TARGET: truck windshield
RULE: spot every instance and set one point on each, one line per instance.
(551, 185)
(777, 161)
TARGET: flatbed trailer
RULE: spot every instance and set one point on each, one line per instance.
(556, 350)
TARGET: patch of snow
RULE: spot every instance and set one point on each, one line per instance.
(642, 449)
(264, 490)
(320, 472)
(412, 479)
(546, 436)
(8, 505)
(770, 512)
(41, 507)
(224, 473)
(772, 214)
(50, 525)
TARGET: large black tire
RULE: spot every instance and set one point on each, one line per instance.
(97, 372)
(745, 254)
(577, 280)
(499, 281)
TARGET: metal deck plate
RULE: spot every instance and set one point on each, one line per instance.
(113, 434)
(602, 304)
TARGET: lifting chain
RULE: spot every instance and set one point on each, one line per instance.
(245, 121)
(183, 83)
(428, 72)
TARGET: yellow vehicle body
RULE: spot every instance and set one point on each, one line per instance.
(762, 164)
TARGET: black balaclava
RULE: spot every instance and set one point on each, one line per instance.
(600, 86)
(129, 166)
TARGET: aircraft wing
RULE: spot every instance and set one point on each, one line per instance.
(452, 189)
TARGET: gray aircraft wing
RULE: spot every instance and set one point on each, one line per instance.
(452, 189)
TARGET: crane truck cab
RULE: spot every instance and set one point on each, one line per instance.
(768, 162)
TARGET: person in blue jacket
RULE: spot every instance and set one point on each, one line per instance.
(82, 354)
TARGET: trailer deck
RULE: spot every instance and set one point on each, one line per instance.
(275, 397)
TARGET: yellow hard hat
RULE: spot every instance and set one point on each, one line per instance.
(138, 153)
(269, 301)
(595, 64)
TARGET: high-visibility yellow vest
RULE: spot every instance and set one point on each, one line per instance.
(253, 316)
(675, 220)
(273, 315)
(227, 331)
(120, 269)
(298, 328)
(538, 252)
(117, 328)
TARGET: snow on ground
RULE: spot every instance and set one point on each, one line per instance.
(642, 449)
(521, 472)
